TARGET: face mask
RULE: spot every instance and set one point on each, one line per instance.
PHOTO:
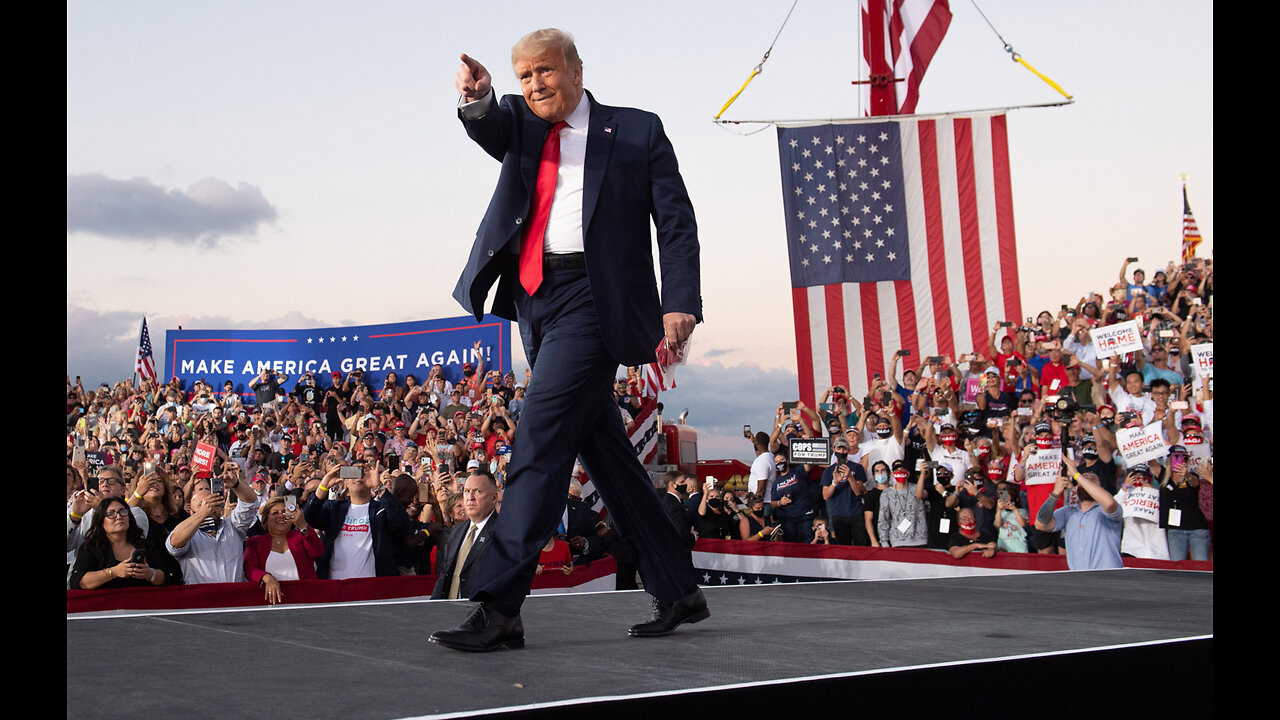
(969, 527)
(209, 525)
(682, 489)
(982, 451)
(1089, 452)
(901, 476)
(715, 503)
(884, 432)
(493, 467)
(882, 478)
(1044, 443)
(948, 440)
(782, 467)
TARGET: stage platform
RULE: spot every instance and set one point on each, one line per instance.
(1060, 641)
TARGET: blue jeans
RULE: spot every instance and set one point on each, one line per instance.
(1180, 540)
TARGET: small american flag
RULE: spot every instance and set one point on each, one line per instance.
(1190, 232)
(145, 365)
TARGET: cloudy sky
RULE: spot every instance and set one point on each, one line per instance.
(299, 164)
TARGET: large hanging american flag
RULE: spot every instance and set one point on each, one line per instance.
(145, 365)
(1190, 232)
(899, 39)
(900, 236)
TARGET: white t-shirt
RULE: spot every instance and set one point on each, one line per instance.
(353, 548)
(956, 459)
(1144, 405)
(762, 468)
(887, 450)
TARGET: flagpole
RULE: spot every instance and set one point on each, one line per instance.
(883, 95)
(918, 116)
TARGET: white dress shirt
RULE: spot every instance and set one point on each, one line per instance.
(564, 227)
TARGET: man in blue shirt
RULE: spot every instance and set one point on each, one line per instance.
(1090, 527)
(843, 484)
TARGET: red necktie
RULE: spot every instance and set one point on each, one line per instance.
(543, 190)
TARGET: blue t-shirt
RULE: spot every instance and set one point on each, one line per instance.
(1151, 372)
(843, 502)
(794, 482)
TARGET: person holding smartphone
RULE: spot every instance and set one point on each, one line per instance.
(114, 553)
(288, 550)
(361, 531)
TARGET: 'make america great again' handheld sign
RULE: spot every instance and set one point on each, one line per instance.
(409, 348)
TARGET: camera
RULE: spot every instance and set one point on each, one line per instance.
(1063, 409)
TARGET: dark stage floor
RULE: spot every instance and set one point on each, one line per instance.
(374, 661)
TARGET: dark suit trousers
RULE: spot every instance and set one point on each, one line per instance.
(569, 411)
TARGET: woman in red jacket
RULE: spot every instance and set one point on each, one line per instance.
(287, 552)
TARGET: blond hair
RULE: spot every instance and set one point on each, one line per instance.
(539, 41)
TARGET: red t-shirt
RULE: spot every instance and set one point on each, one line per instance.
(1006, 384)
(1051, 372)
(555, 558)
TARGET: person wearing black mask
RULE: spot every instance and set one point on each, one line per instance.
(672, 496)
(715, 519)
(843, 484)
(790, 499)
(1096, 458)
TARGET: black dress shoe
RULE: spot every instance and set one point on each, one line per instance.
(691, 608)
(484, 629)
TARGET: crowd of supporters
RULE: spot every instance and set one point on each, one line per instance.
(331, 478)
(938, 455)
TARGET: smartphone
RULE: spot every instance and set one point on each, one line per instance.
(77, 455)
(91, 483)
(789, 408)
(350, 472)
(1178, 405)
(905, 352)
(215, 484)
(138, 557)
(1024, 411)
(291, 502)
(746, 431)
(1132, 259)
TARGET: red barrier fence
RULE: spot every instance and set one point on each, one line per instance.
(182, 597)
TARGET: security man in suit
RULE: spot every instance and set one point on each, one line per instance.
(566, 240)
(468, 543)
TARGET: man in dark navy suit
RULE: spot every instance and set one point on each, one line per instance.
(469, 540)
(566, 239)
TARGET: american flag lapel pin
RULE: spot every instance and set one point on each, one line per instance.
(608, 129)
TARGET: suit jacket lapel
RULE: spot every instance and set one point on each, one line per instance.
(481, 540)
(534, 135)
(601, 130)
